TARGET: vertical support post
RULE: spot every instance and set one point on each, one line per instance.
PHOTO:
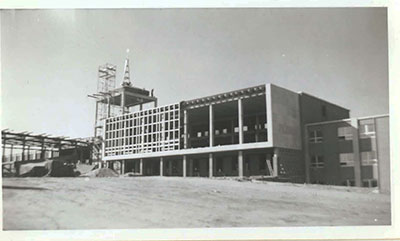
(29, 153)
(155, 103)
(141, 107)
(356, 152)
(240, 163)
(233, 132)
(161, 166)
(275, 163)
(240, 118)
(95, 118)
(11, 152)
(257, 128)
(211, 126)
(4, 150)
(42, 151)
(210, 165)
(122, 167)
(23, 150)
(185, 129)
(141, 167)
(306, 154)
(184, 166)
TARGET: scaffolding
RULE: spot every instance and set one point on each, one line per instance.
(104, 107)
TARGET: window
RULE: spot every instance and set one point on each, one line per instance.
(370, 183)
(346, 159)
(315, 136)
(368, 158)
(345, 133)
(198, 134)
(367, 130)
(317, 161)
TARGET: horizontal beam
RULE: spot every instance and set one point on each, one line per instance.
(193, 151)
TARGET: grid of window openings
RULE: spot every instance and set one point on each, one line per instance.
(317, 161)
(150, 130)
(315, 136)
(345, 133)
(367, 129)
(346, 159)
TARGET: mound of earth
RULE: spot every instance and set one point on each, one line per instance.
(102, 172)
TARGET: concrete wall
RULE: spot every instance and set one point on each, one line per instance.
(291, 165)
(286, 129)
(383, 146)
(311, 110)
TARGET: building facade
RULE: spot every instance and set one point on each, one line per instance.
(350, 152)
(255, 131)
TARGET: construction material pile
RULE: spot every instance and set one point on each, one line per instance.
(102, 172)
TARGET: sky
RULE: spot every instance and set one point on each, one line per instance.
(50, 58)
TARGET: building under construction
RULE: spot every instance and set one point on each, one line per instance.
(257, 131)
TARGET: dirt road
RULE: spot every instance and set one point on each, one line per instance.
(174, 202)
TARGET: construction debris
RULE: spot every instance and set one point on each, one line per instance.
(102, 172)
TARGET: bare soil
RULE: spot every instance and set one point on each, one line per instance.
(175, 202)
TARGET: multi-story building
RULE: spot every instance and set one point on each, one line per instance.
(351, 152)
(252, 131)
(263, 130)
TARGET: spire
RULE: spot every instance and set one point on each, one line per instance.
(127, 80)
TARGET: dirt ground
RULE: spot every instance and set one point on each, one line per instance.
(174, 202)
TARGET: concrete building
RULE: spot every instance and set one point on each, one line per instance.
(351, 152)
(263, 130)
(247, 132)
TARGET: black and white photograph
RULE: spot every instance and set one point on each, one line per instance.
(195, 118)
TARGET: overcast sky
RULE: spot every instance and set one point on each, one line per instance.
(49, 58)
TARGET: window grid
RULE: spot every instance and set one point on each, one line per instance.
(151, 130)
(346, 159)
(315, 136)
(368, 158)
(345, 133)
(367, 130)
(317, 161)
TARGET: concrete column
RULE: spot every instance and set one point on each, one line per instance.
(306, 155)
(211, 122)
(184, 165)
(240, 163)
(4, 150)
(23, 150)
(155, 104)
(275, 164)
(233, 132)
(161, 166)
(210, 165)
(185, 129)
(122, 166)
(141, 107)
(29, 150)
(240, 117)
(141, 167)
(356, 152)
(257, 129)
